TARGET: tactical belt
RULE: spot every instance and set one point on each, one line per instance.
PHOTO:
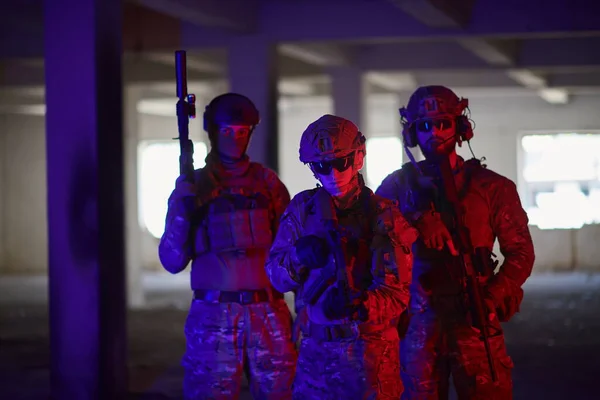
(329, 333)
(242, 296)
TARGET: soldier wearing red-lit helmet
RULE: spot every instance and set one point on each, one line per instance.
(440, 337)
(345, 252)
(237, 320)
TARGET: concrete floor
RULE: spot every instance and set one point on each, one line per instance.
(554, 341)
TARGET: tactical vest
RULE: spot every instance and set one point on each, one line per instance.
(370, 257)
(236, 216)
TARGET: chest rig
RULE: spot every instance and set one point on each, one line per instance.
(353, 226)
(422, 187)
(234, 214)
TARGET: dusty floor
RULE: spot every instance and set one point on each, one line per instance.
(554, 341)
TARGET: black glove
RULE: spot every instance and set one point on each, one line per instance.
(312, 251)
(183, 198)
(338, 305)
(434, 233)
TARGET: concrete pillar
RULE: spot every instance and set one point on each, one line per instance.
(84, 144)
(133, 233)
(349, 92)
(4, 193)
(253, 73)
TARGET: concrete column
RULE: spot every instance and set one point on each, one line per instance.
(133, 232)
(349, 92)
(84, 144)
(253, 73)
(4, 192)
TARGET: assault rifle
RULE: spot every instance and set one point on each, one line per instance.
(335, 270)
(186, 109)
(473, 261)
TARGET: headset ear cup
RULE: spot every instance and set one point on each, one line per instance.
(405, 137)
(207, 117)
(464, 128)
(409, 135)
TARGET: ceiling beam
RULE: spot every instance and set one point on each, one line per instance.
(540, 84)
(285, 21)
(193, 62)
(554, 96)
(234, 15)
(494, 52)
(532, 54)
(438, 13)
(575, 80)
(136, 72)
(393, 82)
(505, 54)
(15, 74)
(316, 54)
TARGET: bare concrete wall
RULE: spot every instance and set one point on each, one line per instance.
(24, 192)
(3, 192)
(23, 233)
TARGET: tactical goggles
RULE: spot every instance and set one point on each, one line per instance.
(325, 167)
(427, 125)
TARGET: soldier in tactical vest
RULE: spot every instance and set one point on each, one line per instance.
(441, 337)
(225, 224)
(345, 252)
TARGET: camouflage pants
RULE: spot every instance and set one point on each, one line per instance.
(432, 350)
(223, 339)
(364, 368)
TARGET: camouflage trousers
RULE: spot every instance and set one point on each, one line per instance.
(226, 339)
(432, 350)
(363, 368)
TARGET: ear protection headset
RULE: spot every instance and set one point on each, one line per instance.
(464, 129)
(209, 123)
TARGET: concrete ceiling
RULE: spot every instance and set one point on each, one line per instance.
(548, 48)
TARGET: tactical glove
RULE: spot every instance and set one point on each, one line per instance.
(434, 233)
(183, 197)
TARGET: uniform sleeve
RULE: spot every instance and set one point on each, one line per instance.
(509, 223)
(396, 187)
(282, 261)
(389, 187)
(280, 196)
(175, 247)
(388, 296)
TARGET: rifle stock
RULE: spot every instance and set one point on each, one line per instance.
(462, 239)
(186, 109)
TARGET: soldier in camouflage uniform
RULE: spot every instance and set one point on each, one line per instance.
(237, 321)
(349, 347)
(440, 338)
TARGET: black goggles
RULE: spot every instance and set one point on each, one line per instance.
(325, 167)
(427, 125)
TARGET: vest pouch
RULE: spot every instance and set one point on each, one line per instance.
(241, 231)
(218, 231)
(260, 224)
